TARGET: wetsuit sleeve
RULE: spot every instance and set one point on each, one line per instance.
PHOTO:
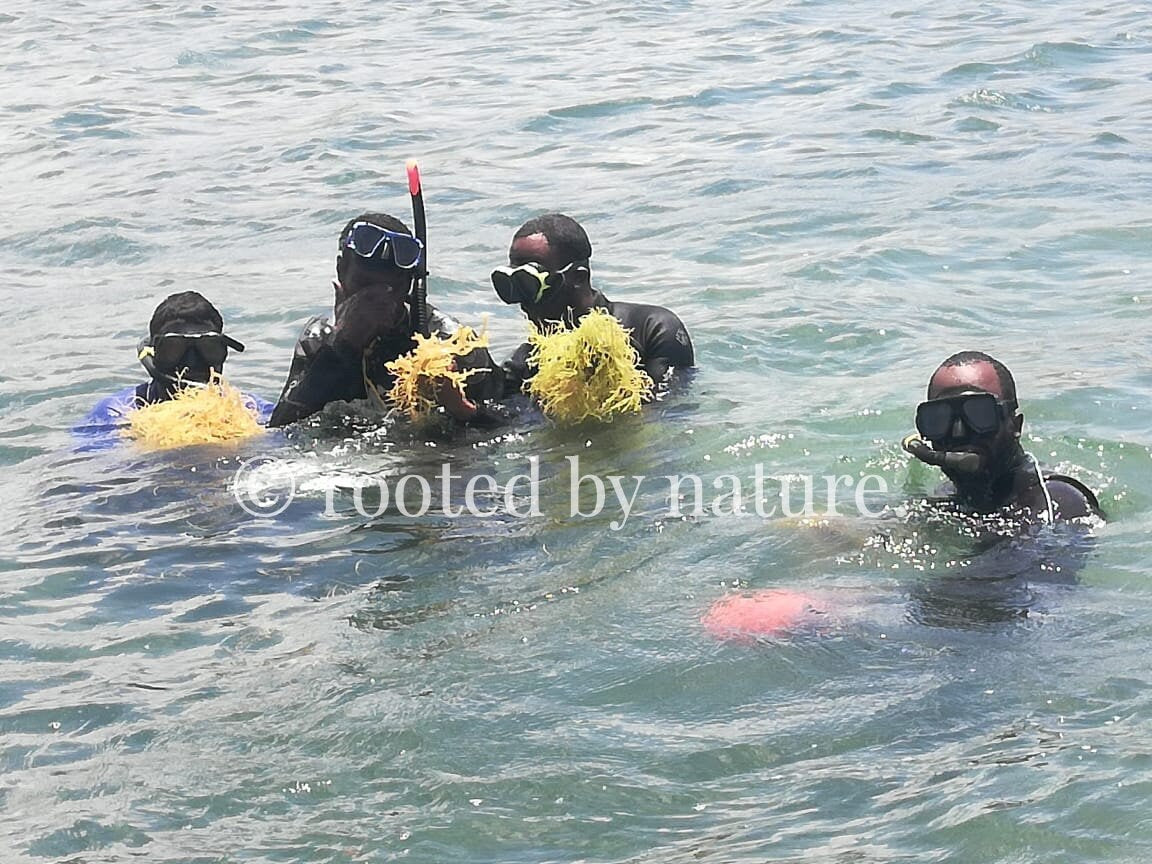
(323, 370)
(493, 405)
(517, 370)
(1072, 499)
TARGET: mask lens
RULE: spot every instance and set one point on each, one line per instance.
(934, 419)
(981, 414)
(523, 284)
(406, 251)
(505, 287)
(170, 351)
(530, 283)
(212, 351)
(365, 239)
(372, 241)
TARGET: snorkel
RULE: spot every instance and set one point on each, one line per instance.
(962, 462)
(420, 229)
(169, 383)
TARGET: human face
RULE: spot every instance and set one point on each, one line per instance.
(356, 277)
(191, 351)
(995, 447)
(556, 303)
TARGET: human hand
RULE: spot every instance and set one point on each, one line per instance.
(451, 397)
(367, 315)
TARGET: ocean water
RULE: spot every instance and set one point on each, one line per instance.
(833, 196)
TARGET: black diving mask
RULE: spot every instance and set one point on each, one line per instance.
(166, 354)
(979, 414)
(528, 283)
(171, 349)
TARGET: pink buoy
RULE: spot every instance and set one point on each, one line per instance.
(771, 612)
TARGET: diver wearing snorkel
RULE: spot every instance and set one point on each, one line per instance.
(185, 347)
(549, 277)
(379, 307)
(970, 428)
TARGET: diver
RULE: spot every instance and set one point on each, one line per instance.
(1028, 528)
(549, 277)
(970, 426)
(379, 307)
(186, 346)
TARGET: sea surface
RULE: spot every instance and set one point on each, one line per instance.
(834, 196)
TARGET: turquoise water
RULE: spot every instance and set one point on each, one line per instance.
(833, 196)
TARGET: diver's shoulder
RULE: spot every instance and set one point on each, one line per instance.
(623, 309)
(441, 323)
(100, 428)
(317, 331)
(1072, 498)
(318, 327)
(114, 408)
(657, 327)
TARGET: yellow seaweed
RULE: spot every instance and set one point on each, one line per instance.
(419, 373)
(589, 372)
(195, 415)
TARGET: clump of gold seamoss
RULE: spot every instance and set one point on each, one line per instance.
(207, 414)
(587, 373)
(422, 371)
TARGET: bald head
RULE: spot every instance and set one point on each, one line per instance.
(561, 238)
(973, 371)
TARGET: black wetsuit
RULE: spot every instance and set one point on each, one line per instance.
(1016, 547)
(326, 370)
(1028, 488)
(659, 337)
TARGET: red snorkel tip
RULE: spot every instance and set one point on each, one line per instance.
(413, 177)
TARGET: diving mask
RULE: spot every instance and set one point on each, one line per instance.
(528, 283)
